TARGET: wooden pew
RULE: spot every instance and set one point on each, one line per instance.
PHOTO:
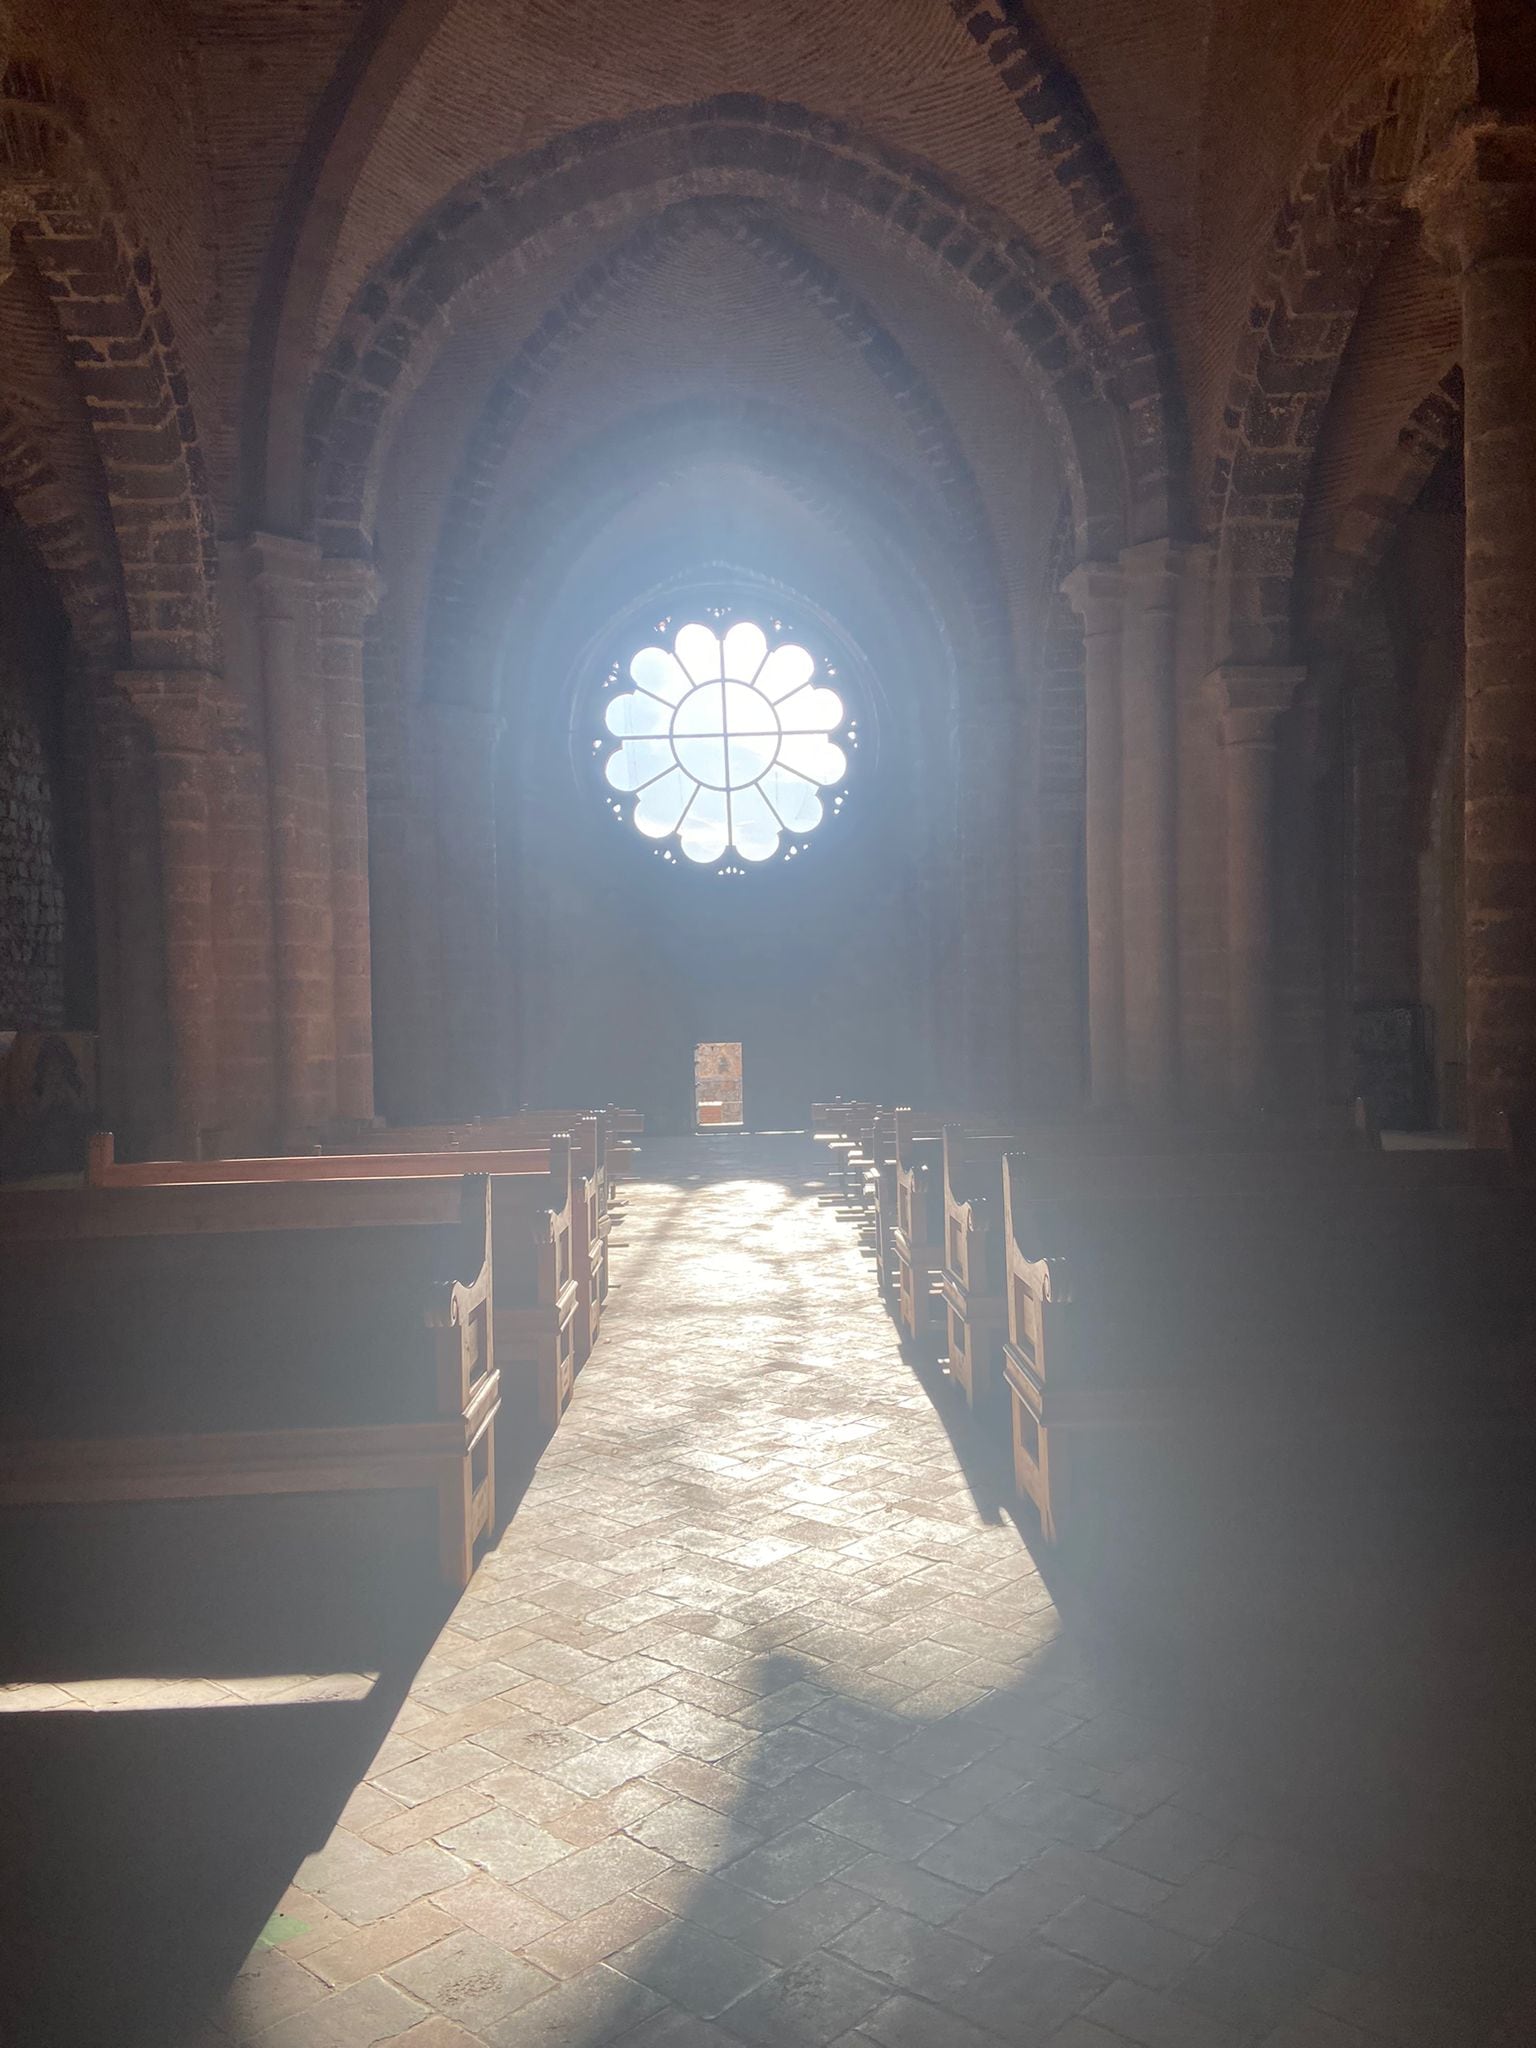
(1245, 1294)
(227, 1338)
(589, 1231)
(971, 1277)
(835, 1124)
(626, 1127)
(878, 1143)
(918, 1236)
(536, 1296)
(592, 1210)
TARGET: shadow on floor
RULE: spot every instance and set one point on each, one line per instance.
(1314, 1684)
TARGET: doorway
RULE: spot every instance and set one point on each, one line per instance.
(717, 1095)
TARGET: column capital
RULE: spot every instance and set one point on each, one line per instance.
(348, 580)
(180, 706)
(280, 565)
(1253, 699)
(1095, 591)
(1476, 195)
(1153, 569)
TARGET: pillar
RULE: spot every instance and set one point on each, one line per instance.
(1253, 700)
(175, 707)
(1152, 575)
(349, 593)
(1478, 200)
(1094, 590)
(465, 740)
(284, 575)
(989, 856)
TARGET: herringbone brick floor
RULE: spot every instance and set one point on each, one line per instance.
(762, 1727)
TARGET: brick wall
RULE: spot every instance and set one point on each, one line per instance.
(32, 906)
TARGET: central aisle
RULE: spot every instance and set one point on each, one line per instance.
(753, 1729)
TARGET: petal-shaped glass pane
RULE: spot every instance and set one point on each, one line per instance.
(702, 834)
(811, 711)
(699, 651)
(638, 761)
(661, 804)
(750, 755)
(793, 798)
(745, 647)
(785, 670)
(817, 758)
(754, 828)
(654, 669)
(708, 808)
(635, 714)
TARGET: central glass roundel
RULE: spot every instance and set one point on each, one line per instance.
(725, 742)
(725, 735)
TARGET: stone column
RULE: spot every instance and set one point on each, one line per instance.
(349, 593)
(1149, 821)
(1094, 590)
(284, 576)
(989, 857)
(1253, 701)
(175, 707)
(465, 755)
(1479, 206)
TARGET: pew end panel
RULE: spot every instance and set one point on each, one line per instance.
(971, 1280)
(310, 1337)
(918, 1236)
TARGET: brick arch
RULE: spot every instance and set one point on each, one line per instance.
(1327, 243)
(57, 195)
(596, 296)
(619, 173)
(1057, 113)
(1339, 571)
(378, 63)
(829, 475)
(71, 538)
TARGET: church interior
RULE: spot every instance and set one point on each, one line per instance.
(768, 1023)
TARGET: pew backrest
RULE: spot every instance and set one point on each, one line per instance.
(973, 1207)
(245, 1304)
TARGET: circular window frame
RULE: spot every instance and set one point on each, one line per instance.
(783, 622)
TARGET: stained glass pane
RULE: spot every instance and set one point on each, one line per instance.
(785, 670)
(754, 829)
(654, 669)
(639, 761)
(636, 713)
(661, 805)
(745, 647)
(699, 652)
(813, 756)
(793, 798)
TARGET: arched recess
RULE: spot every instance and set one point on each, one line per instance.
(836, 486)
(67, 530)
(60, 199)
(1053, 105)
(1373, 848)
(1327, 244)
(385, 51)
(601, 179)
(72, 538)
(597, 297)
(1337, 567)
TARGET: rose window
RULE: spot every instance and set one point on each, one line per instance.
(726, 742)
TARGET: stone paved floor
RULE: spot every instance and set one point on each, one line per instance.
(757, 1728)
